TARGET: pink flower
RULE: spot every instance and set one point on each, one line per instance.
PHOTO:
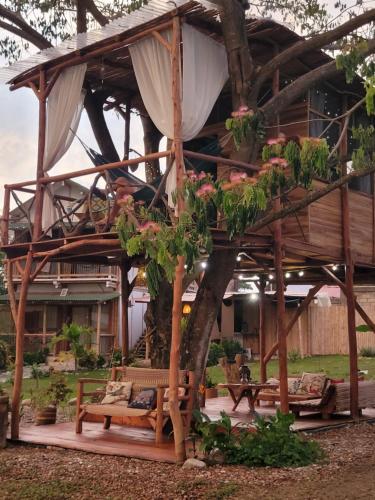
(202, 175)
(237, 177)
(279, 161)
(126, 200)
(204, 190)
(149, 226)
(272, 141)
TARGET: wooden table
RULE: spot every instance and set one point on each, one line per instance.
(250, 391)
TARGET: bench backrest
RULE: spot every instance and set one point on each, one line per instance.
(144, 378)
(366, 395)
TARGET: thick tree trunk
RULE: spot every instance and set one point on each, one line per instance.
(151, 140)
(220, 267)
(94, 107)
(158, 319)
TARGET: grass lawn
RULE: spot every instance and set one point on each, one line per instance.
(71, 379)
(333, 366)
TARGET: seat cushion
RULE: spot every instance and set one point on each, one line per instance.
(181, 392)
(312, 383)
(112, 410)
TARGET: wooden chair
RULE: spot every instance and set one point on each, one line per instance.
(336, 398)
(142, 378)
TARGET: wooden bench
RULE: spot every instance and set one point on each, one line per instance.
(142, 378)
(336, 398)
(275, 395)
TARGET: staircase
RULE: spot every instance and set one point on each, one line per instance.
(139, 349)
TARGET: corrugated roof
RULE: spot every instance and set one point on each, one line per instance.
(46, 298)
(150, 12)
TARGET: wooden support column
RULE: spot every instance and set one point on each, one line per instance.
(98, 326)
(44, 338)
(20, 333)
(125, 292)
(262, 331)
(174, 360)
(37, 231)
(281, 332)
(5, 217)
(127, 130)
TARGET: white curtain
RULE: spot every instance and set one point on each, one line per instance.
(204, 74)
(64, 108)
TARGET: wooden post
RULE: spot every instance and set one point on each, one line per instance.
(127, 130)
(44, 324)
(124, 267)
(5, 217)
(20, 332)
(174, 360)
(349, 276)
(300, 337)
(41, 147)
(262, 331)
(98, 322)
(281, 333)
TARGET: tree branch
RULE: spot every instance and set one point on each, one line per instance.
(290, 93)
(25, 31)
(310, 198)
(95, 12)
(303, 46)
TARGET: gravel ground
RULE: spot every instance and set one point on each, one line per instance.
(29, 472)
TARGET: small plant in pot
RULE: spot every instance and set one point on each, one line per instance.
(211, 390)
(45, 400)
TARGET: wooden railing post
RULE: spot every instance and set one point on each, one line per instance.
(5, 217)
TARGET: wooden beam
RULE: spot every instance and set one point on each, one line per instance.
(5, 217)
(38, 213)
(281, 332)
(20, 331)
(162, 40)
(125, 292)
(262, 331)
(174, 360)
(303, 307)
(220, 159)
(127, 119)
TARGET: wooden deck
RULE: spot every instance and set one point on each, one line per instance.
(140, 443)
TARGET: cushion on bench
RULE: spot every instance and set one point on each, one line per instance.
(114, 410)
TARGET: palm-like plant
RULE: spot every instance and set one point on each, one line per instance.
(76, 335)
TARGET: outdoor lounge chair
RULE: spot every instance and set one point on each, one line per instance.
(142, 378)
(336, 398)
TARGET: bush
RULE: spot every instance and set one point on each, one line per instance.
(214, 354)
(36, 358)
(90, 360)
(294, 356)
(116, 358)
(231, 348)
(367, 352)
(273, 444)
(4, 355)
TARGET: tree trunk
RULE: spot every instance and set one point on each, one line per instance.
(94, 107)
(220, 268)
(158, 319)
(151, 140)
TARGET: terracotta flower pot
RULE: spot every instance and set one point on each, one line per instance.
(211, 392)
(4, 408)
(46, 416)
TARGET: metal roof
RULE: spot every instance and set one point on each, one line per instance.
(47, 298)
(149, 12)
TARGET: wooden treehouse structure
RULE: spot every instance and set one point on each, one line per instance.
(339, 228)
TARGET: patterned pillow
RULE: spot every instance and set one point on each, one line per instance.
(293, 385)
(181, 392)
(271, 381)
(117, 392)
(145, 400)
(312, 383)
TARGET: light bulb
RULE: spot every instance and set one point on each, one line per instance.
(204, 265)
(334, 267)
(253, 296)
(301, 273)
(238, 258)
(270, 276)
(287, 275)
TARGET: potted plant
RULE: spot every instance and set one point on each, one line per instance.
(211, 390)
(45, 400)
(4, 409)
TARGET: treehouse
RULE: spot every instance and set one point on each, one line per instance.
(135, 61)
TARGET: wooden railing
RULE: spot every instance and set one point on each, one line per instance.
(62, 271)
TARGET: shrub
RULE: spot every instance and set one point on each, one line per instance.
(367, 352)
(214, 354)
(294, 356)
(100, 362)
(116, 358)
(90, 360)
(36, 358)
(231, 348)
(4, 355)
(273, 444)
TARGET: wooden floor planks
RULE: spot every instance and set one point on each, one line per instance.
(140, 443)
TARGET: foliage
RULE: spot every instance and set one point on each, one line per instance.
(116, 358)
(4, 355)
(363, 328)
(367, 352)
(364, 155)
(209, 382)
(57, 392)
(37, 357)
(90, 359)
(37, 373)
(76, 335)
(242, 123)
(215, 352)
(273, 444)
(231, 348)
(294, 356)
